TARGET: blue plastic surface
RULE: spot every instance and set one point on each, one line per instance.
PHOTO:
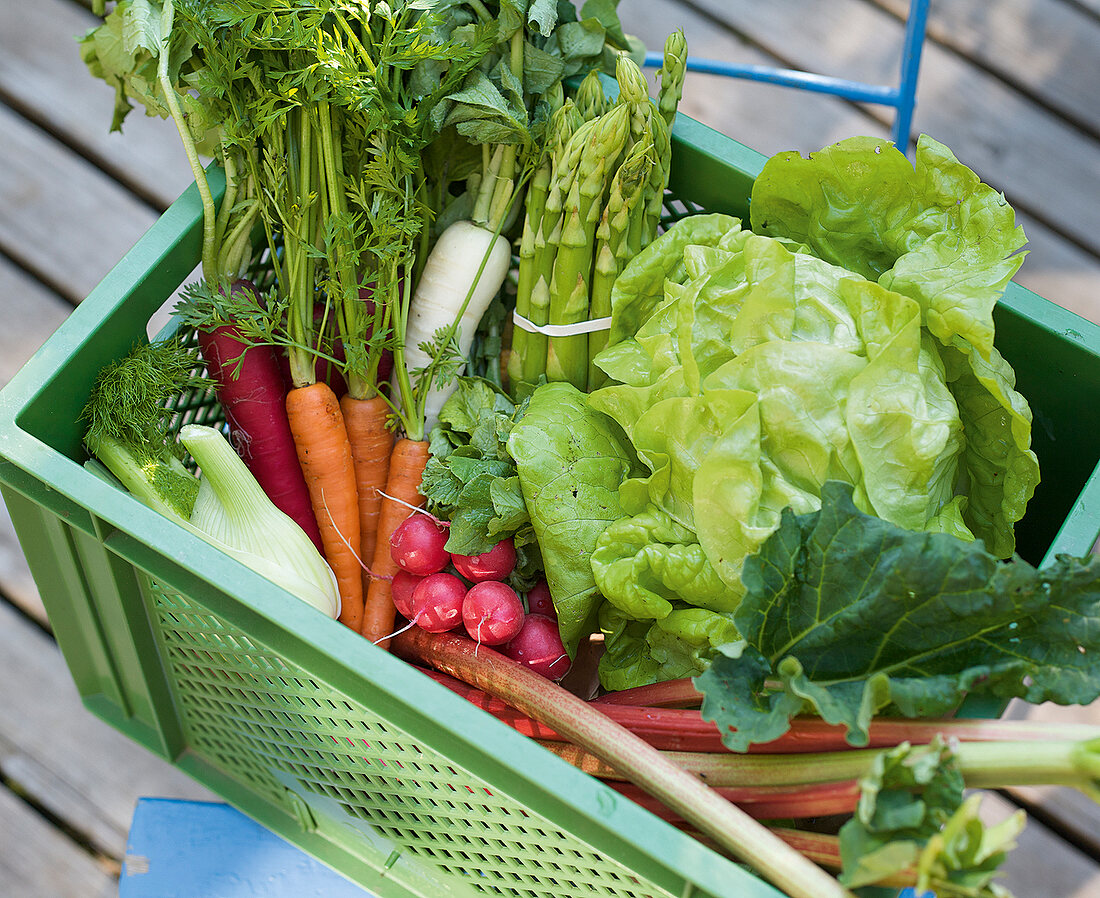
(196, 849)
(202, 849)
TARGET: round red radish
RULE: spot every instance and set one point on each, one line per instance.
(538, 645)
(401, 589)
(539, 600)
(417, 545)
(437, 602)
(496, 564)
(492, 612)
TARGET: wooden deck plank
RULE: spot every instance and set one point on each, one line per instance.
(68, 761)
(31, 313)
(772, 119)
(42, 75)
(1041, 47)
(64, 221)
(46, 862)
(1036, 158)
(1042, 865)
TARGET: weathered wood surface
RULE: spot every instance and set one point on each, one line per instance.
(994, 120)
(1011, 87)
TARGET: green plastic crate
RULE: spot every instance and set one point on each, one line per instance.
(338, 746)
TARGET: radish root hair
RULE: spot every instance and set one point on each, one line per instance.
(351, 548)
(407, 626)
(413, 508)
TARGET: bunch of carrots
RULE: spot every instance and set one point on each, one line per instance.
(376, 162)
(385, 186)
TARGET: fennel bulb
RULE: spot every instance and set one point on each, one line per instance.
(232, 512)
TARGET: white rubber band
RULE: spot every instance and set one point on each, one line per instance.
(562, 330)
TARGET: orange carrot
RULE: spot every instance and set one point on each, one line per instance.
(371, 445)
(325, 456)
(402, 486)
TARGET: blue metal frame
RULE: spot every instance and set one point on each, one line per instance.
(902, 97)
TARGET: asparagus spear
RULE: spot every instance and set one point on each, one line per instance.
(612, 247)
(567, 357)
(672, 76)
(590, 98)
(537, 259)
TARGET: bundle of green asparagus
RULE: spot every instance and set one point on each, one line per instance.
(593, 203)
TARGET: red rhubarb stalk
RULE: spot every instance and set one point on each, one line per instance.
(638, 761)
(680, 693)
(678, 729)
(765, 802)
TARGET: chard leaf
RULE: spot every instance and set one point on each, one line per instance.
(845, 615)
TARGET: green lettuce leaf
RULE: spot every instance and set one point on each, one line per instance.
(929, 229)
(681, 644)
(845, 615)
(570, 461)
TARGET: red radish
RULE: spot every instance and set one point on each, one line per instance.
(401, 590)
(496, 564)
(492, 612)
(417, 545)
(539, 600)
(538, 646)
(437, 602)
(253, 397)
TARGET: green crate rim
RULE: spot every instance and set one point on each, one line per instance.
(275, 618)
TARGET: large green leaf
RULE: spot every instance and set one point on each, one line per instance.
(845, 614)
(929, 229)
(571, 460)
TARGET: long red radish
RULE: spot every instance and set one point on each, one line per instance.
(324, 454)
(631, 756)
(402, 494)
(371, 444)
(250, 388)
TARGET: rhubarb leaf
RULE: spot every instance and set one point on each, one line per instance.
(846, 615)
